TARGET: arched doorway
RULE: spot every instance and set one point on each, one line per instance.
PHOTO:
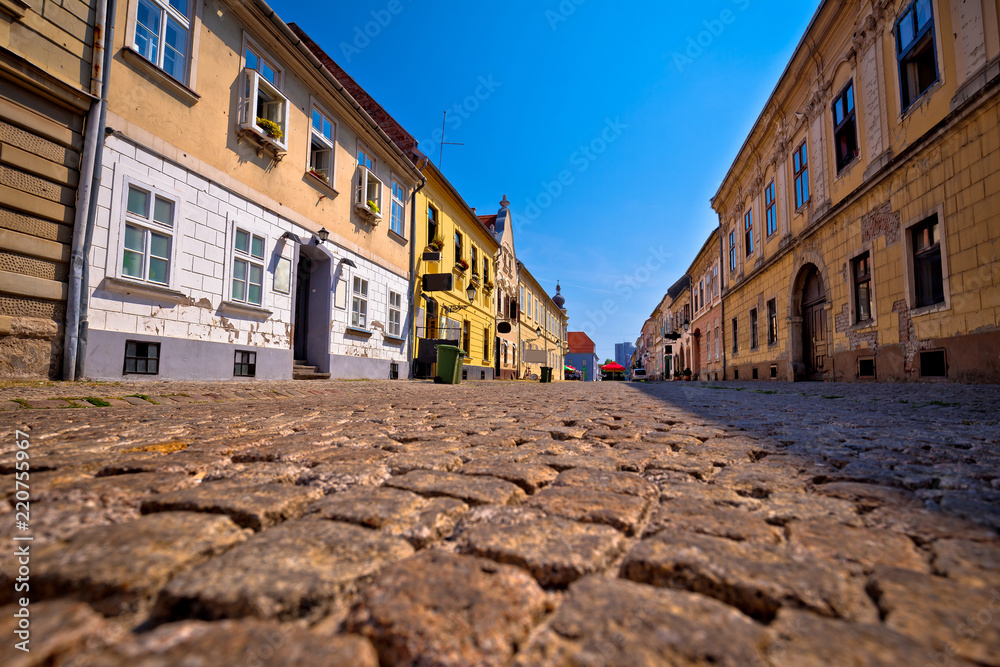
(815, 343)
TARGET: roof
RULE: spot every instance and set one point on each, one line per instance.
(678, 287)
(489, 221)
(580, 343)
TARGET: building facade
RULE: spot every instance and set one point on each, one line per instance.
(706, 312)
(49, 85)
(542, 328)
(582, 356)
(253, 219)
(506, 349)
(861, 220)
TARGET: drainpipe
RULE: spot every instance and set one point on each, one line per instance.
(86, 199)
(413, 282)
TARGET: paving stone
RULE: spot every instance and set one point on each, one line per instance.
(801, 639)
(135, 400)
(337, 477)
(469, 489)
(780, 508)
(321, 565)
(862, 548)
(253, 474)
(563, 432)
(400, 464)
(117, 568)
(615, 482)
(243, 642)
(567, 461)
(626, 513)
(255, 507)
(555, 551)
(673, 441)
(614, 622)
(926, 526)
(755, 578)
(420, 520)
(950, 618)
(973, 563)
(443, 609)
(59, 630)
(696, 516)
(867, 497)
(529, 476)
(189, 462)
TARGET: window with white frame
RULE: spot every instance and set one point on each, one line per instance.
(398, 220)
(359, 305)
(163, 34)
(395, 311)
(368, 191)
(263, 108)
(149, 229)
(248, 268)
(322, 138)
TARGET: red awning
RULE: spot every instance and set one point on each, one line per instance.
(613, 367)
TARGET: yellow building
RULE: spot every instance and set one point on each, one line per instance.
(543, 332)
(466, 314)
(49, 85)
(860, 221)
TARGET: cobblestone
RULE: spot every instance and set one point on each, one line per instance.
(365, 523)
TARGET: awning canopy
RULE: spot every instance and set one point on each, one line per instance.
(613, 367)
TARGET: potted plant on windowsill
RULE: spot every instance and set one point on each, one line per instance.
(437, 245)
(373, 207)
(489, 286)
(462, 265)
(316, 174)
(270, 128)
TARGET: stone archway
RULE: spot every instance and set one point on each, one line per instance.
(809, 330)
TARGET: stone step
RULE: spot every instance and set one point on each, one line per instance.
(310, 376)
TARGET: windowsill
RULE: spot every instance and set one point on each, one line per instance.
(139, 62)
(397, 237)
(915, 104)
(320, 183)
(928, 310)
(847, 168)
(366, 214)
(252, 132)
(125, 286)
(245, 309)
(393, 339)
(358, 331)
(861, 326)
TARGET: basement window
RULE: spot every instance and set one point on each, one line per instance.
(774, 372)
(866, 367)
(393, 371)
(141, 358)
(246, 364)
(933, 364)
(756, 375)
(736, 374)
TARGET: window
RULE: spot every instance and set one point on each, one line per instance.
(368, 192)
(149, 221)
(772, 322)
(754, 341)
(359, 305)
(715, 281)
(770, 210)
(748, 232)
(432, 224)
(475, 260)
(933, 364)
(263, 108)
(321, 147)
(861, 270)
(866, 367)
(486, 343)
(718, 343)
(928, 279)
(395, 310)
(141, 358)
(458, 246)
(732, 251)
(800, 167)
(245, 365)
(248, 268)
(162, 34)
(398, 218)
(466, 338)
(486, 268)
(394, 371)
(736, 336)
(845, 132)
(916, 52)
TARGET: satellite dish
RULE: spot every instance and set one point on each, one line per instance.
(503, 327)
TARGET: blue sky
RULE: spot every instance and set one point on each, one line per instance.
(608, 126)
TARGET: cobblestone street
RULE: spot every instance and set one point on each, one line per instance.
(377, 523)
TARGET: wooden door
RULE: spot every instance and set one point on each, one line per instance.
(303, 293)
(815, 343)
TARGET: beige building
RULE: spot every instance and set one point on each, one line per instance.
(254, 220)
(542, 328)
(861, 219)
(707, 354)
(49, 85)
(502, 226)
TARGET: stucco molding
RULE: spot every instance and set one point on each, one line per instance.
(122, 286)
(15, 8)
(244, 309)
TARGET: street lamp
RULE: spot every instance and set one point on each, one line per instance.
(323, 234)
(470, 292)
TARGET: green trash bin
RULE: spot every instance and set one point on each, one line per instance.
(546, 374)
(449, 364)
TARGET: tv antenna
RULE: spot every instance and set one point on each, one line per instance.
(443, 142)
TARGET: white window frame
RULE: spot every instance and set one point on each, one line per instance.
(401, 202)
(359, 303)
(251, 82)
(395, 327)
(330, 143)
(366, 183)
(907, 247)
(147, 225)
(191, 22)
(235, 254)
